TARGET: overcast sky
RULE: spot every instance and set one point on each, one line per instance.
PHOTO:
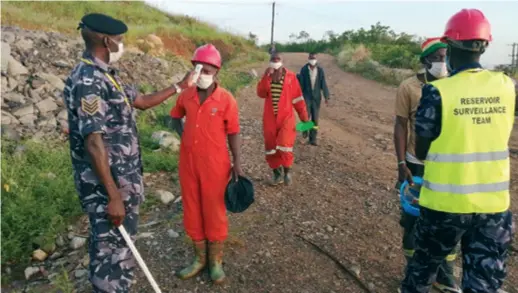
(422, 18)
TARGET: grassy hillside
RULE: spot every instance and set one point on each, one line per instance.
(38, 196)
(180, 34)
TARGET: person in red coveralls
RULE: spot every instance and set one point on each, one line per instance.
(280, 89)
(205, 167)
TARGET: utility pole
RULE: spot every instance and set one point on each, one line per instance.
(514, 54)
(273, 23)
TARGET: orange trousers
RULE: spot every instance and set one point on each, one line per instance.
(203, 181)
(280, 159)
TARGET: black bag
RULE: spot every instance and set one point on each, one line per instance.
(239, 194)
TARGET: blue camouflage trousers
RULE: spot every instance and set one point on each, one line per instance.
(484, 238)
(111, 261)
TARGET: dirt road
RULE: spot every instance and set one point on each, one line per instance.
(343, 200)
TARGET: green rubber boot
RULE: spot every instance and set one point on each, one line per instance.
(199, 262)
(217, 274)
(287, 176)
(277, 177)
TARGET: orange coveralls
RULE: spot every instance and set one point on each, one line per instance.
(204, 167)
(279, 131)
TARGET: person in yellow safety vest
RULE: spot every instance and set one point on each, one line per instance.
(463, 126)
(407, 99)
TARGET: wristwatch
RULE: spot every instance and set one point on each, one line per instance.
(178, 88)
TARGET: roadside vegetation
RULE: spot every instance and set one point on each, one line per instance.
(377, 53)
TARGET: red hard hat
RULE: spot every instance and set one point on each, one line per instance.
(207, 54)
(468, 24)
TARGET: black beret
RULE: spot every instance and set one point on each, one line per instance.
(103, 24)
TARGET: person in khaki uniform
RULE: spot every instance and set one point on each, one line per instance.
(407, 100)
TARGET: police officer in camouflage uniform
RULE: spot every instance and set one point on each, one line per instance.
(463, 126)
(105, 149)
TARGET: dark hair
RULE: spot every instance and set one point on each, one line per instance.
(312, 53)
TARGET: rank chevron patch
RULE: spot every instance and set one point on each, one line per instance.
(91, 106)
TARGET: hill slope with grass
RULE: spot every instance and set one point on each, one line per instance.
(40, 45)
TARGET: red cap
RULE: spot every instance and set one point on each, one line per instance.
(466, 25)
(207, 54)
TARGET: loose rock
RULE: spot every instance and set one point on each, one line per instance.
(28, 120)
(172, 233)
(165, 196)
(6, 53)
(39, 255)
(23, 111)
(77, 242)
(46, 105)
(15, 68)
(31, 271)
(53, 80)
(61, 63)
(15, 98)
(80, 273)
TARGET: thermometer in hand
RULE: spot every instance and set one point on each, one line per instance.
(197, 71)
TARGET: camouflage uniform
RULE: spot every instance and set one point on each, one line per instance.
(484, 238)
(95, 105)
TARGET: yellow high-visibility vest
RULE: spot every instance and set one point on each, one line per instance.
(467, 168)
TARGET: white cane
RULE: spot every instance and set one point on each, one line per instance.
(140, 261)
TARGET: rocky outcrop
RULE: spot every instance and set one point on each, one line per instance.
(35, 66)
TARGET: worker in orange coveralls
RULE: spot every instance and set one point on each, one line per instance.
(205, 167)
(281, 92)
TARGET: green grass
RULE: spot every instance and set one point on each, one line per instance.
(35, 206)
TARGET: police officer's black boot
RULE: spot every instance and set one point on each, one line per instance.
(313, 137)
(445, 281)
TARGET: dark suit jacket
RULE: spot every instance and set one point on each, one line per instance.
(320, 84)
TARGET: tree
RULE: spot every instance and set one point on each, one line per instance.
(303, 36)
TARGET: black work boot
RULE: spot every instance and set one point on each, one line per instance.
(313, 137)
(277, 177)
(445, 280)
(287, 176)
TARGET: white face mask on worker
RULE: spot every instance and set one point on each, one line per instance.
(205, 81)
(312, 62)
(275, 65)
(439, 69)
(115, 56)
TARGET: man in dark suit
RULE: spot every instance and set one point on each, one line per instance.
(313, 83)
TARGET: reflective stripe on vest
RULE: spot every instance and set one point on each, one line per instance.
(467, 169)
(467, 158)
(299, 99)
(467, 189)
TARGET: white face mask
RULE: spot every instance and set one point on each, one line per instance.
(275, 65)
(438, 69)
(312, 62)
(205, 81)
(115, 56)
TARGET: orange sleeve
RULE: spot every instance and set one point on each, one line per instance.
(298, 99)
(178, 111)
(263, 87)
(232, 116)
